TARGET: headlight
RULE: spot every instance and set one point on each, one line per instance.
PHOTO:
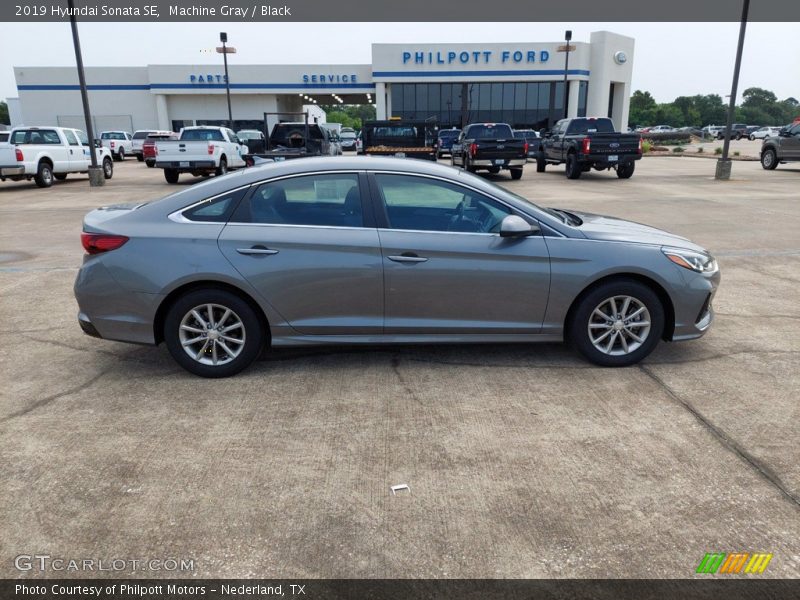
(694, 261)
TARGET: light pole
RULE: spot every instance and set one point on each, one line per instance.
(567, 37)
(95, 172)
(223, 37)
(724, 163)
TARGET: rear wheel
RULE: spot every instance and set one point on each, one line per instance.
(44, 175)
(573, 170)
(213, 333)
(769, 159)
(171, 175)
(752, 137)
(516, 173)
(625, 170)
(223, 167)
(494, 169)
(121, 154)
(139, 157)
(150, 163)
(617, 324)
(541, 164)
(108, 168)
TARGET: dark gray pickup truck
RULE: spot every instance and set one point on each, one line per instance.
(586, 143)
(490, 146)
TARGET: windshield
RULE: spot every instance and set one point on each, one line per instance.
(249, 135)
(348, 135)
(205, 135)
(579, 126)
(449, 133)
(499, 131)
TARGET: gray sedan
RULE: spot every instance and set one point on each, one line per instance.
(380, 251)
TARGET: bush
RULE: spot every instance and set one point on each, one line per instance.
(678, 149)
(646, 146)
(700, 150)
(736, 153)
(718, 150)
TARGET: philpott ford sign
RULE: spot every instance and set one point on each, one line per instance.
(474, 57)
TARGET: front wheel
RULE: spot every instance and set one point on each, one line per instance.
(617, 324)
(494, 170)
(625, 170)
(222, 168)
(769, 159)
(213, 333)
(171, 175)
(573, 170)
(139, 157)
(752, 137)
(541, 164)
(516, 173)
(108, 168)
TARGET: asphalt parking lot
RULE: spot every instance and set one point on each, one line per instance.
(522, 461)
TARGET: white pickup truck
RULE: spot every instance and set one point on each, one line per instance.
(119, 143)
(200, 150)
(45, 153)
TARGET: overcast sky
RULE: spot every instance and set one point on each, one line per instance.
(670, 60)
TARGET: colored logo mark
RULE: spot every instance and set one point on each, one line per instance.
(734, 562)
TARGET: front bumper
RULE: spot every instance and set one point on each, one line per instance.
(694, 312)
(512, 162)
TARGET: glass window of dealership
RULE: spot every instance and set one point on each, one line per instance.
(520, 83)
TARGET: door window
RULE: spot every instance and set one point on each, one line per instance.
(424, 204)
(82, 137)
(325, 200)
(71, 139)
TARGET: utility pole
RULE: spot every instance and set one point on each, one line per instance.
(567, 37)
(724, 163)
(96, 177)
(224, 50)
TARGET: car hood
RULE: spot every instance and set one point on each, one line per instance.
(600, 227)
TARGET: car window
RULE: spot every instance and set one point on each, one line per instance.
(498, 131)
(82, 137)
(319, 200)
(71, 139)
(216, 210)
(203, 135)
(35, 136)
(140, 135)
(112, 135)
(425, 204)
(580, 126)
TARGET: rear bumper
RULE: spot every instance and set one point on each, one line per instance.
(186, 165)
(11, 171)
(508, 162)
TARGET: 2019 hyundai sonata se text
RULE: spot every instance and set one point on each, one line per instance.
(380, 250)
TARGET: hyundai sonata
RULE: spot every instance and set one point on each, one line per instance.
(380, 251)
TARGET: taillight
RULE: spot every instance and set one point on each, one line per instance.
(20, 158)
(586, 145)
(525, 147)
(96, 243)
(211, 149)
(473, 149)
(155, 150)
(640, 146)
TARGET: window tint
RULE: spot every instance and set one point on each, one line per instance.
(140, 135)
(216, 210)
(423, 204)
(71, 139)
(112, 135)
(322, 200)
(35, 136)
(580, 126)
(490, 131)
(211, 135)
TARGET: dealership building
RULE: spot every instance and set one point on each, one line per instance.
(518, 83)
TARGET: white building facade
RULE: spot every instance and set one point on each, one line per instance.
(518, 83)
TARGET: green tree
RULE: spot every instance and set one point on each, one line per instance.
(351, 115)
(4, 120)
(641, 107)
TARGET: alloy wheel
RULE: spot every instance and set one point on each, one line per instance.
(212, 334)
(619, 325)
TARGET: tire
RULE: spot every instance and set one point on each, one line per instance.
(494, 170)
(752, 138)
(171, 175)
(140, 157)
(121, 154)
(452, 160)
(573, 170)
(249, 333)
(108, 168)
(584, 319)
(625, 171)
(516, 173)
(223, 166)
(541, 164)
(44, 175)
(769, 159)
(60, 176)
(150, 163)
(738, 136)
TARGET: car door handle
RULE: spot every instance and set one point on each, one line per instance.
(408, 257)
(259, 250)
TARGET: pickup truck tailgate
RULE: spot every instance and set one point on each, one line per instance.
(499, 149)
(614, 143)
(8, 155)
(178, 150)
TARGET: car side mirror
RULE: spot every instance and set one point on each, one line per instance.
(514, 226)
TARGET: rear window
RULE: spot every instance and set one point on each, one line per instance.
(449, 133)
(112, 135)
(140, 135)
(293, 134)
(499, 131)
(348, 135)
(579, 126)
(202, 135)
(35, 136)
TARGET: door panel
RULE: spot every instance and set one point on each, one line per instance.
(302, 243)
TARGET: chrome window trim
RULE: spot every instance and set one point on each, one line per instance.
(178, 217)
